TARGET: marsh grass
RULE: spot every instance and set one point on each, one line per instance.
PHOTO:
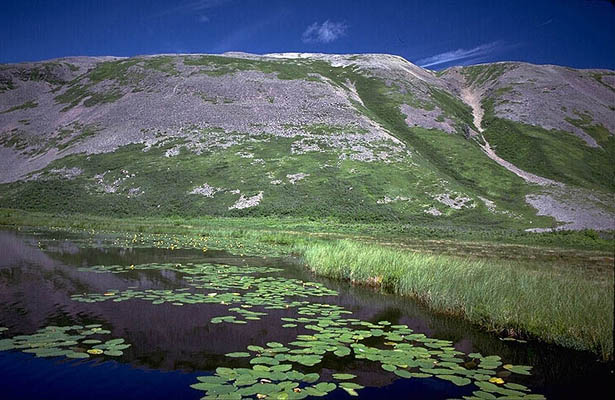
(488, 242)
(554, 304)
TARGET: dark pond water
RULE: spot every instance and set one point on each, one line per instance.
(47, 280)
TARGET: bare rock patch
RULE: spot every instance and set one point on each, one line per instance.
(247, 202)
(206, 190)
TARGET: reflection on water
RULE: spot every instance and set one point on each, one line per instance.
(171, 345)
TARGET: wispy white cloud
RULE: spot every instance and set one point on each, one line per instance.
(198, 5)
(192, 7)
(547, 22)
(324, 33)
(475, 53)
(203, 18)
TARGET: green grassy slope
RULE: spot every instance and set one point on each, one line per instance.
(348, 190)
(551, 153)
(554, 154)
(456, 159)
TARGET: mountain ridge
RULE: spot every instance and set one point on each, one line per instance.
(317, 126)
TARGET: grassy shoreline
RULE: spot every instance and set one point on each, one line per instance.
(381, 232)
(559, 294)
(559, 305)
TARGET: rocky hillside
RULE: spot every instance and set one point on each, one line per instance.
(353, 137)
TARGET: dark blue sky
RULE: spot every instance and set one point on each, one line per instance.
(435, 34)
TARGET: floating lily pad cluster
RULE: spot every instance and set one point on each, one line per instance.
(248, 290)
(401, 351)
(277, 382)
(271, 287)
(206, 270)
(74, 341)
(114, 239)
(177, 297)
(277, 369)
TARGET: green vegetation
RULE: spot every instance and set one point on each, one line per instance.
(347, 191)
(34, 144)
(101, 98)
(72, 67)
(14, 139)
(164, 64)
(477, 75)
(557, 155)
(405, 354)
(45, 72)
(128, 72)
(112, 70)
(284, 69)
(218, 65)
(76, 94)
(72, 96)
(6, 84)
(74, 341)
(77, 134)
(119, 70)
(598, 132)
(453, 107)
(598, 76)
(28, 143)
(284, 233)
(556, 304)
(24, 106)
(456, 159)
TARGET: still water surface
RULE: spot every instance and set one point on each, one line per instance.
(172, 345)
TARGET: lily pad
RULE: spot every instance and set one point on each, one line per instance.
(455, 379)
(388, 367)
(403, 373)
(344, 376)
(518, 369)
(113, 353)
(238, 354)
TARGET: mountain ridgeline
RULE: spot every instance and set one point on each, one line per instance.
(367, 138)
